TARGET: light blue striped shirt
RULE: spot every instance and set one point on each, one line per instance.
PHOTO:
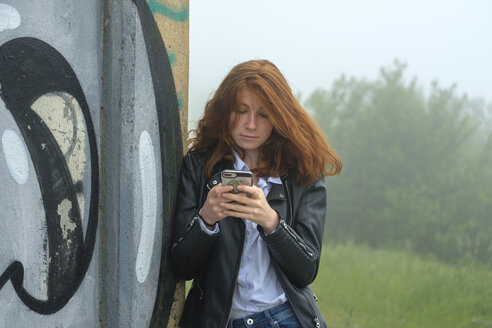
(257, 287)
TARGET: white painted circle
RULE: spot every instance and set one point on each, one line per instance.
(15, 156)
(149, 205)
(10, 18)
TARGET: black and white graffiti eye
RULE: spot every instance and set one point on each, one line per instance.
(9, 17)
(49, 147)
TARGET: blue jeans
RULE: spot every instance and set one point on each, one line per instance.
(281, 316)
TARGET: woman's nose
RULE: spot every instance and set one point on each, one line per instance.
(251, 121)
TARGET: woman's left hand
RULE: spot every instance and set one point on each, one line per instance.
(251, 204)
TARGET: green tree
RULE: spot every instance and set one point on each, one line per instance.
(417, 168)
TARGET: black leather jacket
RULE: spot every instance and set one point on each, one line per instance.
(213, 260)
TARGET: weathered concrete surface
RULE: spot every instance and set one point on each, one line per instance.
(92, 94)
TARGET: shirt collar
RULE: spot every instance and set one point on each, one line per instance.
(241, 166)
(239, 163)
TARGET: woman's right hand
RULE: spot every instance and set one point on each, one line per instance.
(212, 212)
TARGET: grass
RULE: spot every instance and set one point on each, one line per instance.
(359, 287)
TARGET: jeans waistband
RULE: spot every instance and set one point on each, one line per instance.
(268, 317)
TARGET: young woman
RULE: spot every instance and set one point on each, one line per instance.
(253, 254)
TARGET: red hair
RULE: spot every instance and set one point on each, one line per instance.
(296, 141)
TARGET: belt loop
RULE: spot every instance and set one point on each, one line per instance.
(272, 322)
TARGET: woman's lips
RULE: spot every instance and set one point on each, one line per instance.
(248, 137)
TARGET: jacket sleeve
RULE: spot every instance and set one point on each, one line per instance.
(297, 249)
(191, 245)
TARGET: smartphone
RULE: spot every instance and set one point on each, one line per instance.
(236, 178)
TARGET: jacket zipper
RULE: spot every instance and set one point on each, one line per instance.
(196, 281)
(192, 222)
(282, 222)
(289, 200)
(195, 217)
(313, 313)
(188, 228)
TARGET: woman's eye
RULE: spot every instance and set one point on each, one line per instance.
(263, 115)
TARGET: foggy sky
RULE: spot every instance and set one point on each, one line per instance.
(314, 42)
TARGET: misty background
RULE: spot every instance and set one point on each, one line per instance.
(402, 92)
(314, 42)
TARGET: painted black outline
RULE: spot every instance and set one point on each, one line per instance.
(171, 152)
(30, 68)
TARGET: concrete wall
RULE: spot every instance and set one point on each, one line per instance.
(93, 101)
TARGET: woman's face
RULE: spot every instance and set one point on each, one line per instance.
(253, 127)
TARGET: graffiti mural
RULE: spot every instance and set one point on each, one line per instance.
(49, 164)
(30, 72)
(162, 60)
(88, 184)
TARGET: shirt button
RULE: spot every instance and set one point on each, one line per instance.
(249, 321)
(281, 195)
(214, 182)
